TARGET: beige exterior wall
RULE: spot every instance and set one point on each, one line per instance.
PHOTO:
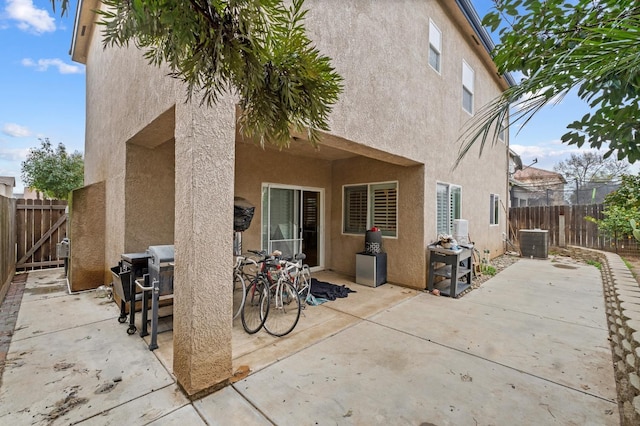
(255, 167)
(124, 95)
(394, 101)
(405, 253)
(86, 231)
(171, 169)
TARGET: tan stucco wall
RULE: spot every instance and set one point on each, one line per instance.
(405, 254)
(130, 108)
(393, 100)
(124, 95)
(150, 196)
(204, 211)
(86, 234)
(255, 166)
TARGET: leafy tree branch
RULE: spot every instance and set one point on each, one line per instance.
(257, 49)
(558, 46)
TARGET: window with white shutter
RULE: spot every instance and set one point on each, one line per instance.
(468, 77)
(448, 206)
(494, 211)
(366, 206)
(355, 209)
(435, 46)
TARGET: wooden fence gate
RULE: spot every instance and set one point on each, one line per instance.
(40, 225)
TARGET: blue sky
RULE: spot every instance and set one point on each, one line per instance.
(42, 92)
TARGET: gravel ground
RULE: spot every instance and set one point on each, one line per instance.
(499, 263)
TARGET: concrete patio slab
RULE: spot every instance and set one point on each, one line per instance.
(528, 347)
(371, 374)
(79, 366)
(228, 407)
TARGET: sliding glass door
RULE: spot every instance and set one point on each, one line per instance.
(291, 221)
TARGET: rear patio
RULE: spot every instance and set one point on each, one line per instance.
(534, 337)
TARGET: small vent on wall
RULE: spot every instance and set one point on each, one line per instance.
(475, 39)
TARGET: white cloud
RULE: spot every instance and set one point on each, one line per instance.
(14, 154)
(548, 153)
(15, 130)
(29, 17)
(44, 64)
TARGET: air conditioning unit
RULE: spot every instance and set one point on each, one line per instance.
(534, 243)
(461, 231)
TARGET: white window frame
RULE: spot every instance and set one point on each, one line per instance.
(452, 211)
(502, 132)
(370, 201)
(494, 209)
(468, 83)
(435, 46)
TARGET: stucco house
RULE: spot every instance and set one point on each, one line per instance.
(7, 183)
(163, 171)
(537, 187)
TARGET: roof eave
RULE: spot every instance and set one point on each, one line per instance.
(82, 29)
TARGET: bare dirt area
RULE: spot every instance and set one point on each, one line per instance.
(633, 263)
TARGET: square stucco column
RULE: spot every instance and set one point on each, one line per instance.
(202, 311)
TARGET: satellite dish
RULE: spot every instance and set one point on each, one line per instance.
(518, 161)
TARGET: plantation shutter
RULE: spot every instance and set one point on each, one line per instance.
(384, 208)
(456, 201)
(442, 208)
(355, 209)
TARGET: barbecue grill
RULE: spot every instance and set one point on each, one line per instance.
(158, 282)
(132, 266)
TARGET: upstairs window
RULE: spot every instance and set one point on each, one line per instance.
(435, 46)
(369, 205)
(468, 77)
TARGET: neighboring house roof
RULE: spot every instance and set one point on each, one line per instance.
(8, 181)
(532, 175)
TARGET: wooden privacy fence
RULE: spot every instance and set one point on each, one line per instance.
(7, 241)
(40, 225)
(567, 226)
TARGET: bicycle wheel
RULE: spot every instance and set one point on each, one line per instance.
(239, 294)
(284, 309)
(256, 306)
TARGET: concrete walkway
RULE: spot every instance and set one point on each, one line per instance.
(529, 347)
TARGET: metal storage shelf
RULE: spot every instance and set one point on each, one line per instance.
(457, 263)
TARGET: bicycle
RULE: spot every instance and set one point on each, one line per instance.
(284, 303)
(255, 309)
(301, 277)
(243, 271)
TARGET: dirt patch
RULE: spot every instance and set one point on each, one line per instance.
(65, 405)
(46, 290)
(62, 366)
(633, 263)
(105, 387)
(20, 278)
(563, 266)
